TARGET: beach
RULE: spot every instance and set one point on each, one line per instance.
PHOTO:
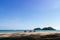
(27, 34)
(31, 35)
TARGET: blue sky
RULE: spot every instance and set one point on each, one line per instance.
(29, 14)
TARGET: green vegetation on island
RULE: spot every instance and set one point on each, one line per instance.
(37, 29)
(45, 28)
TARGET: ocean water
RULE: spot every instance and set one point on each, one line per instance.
(47, 30)
(20, 31)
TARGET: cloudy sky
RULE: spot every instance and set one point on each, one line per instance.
(29, 14)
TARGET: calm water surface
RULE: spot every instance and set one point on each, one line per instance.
(17, 31)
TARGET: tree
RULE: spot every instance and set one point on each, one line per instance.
(48, 28)
(37, 29)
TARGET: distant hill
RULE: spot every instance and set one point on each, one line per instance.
(45, 28)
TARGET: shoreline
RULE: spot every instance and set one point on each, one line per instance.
(27, 34)
(31, 36)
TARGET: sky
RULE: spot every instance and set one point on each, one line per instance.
(29, 14)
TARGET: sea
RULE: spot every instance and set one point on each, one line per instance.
(20, 31)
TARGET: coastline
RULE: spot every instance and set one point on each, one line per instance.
(27, 34)
(31, 36)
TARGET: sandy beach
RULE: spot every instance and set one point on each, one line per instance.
(31, 36)
(27, 34)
